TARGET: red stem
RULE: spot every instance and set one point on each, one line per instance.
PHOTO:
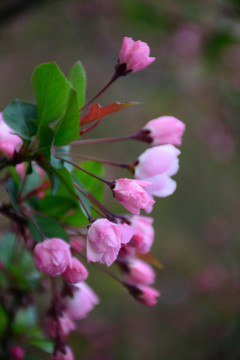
(100, 92)
(86, 171)
(112, 163)
(108, 140)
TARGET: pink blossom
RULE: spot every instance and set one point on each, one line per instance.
(8, 142)
(131, 195)
(63, 325)
(144, 237)
(68, 355)
(157, 160)
(105, 239)
(165, 130)
(135, 54)
(75, 273)
(52, 256)
(157, 165)
(83, 301)
(17, 352)
(145, 294)
(139, 272)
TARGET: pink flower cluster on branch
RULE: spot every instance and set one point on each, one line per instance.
(105, 237)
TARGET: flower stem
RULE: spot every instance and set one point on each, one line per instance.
(107, 140)
(90, 218)
(100, 92)
(103, 269)
(112, 163)
(94, 201)
(86, 171)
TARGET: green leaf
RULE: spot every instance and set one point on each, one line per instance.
(3, 320)
(19, 278)
(94, 186)
(25, 319)
(46, 136)
(76, 219)
(67, 129)
(21, 116)
(32, 180)
(34, 232)
(83, 198)
(77, 77)
(42, 343)
(66, 183)
(50, 228)
(12, 191)
(14, 175)
(56, 206)
(51, 90)
(7, 244)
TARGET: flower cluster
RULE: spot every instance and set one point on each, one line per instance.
(62, 218)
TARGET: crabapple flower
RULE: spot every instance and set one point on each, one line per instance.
(17, 352)
(52, 256)
(105, 239)
(157, 160)
(148, 295)
(165, 130)
(139, 272)
(8, 142)
(75, 273)
(157, 165)
(68, 355)
(143, 239)
(62, 326)
(144, 294)
(130, 194)
(82, 302)
(135, 54)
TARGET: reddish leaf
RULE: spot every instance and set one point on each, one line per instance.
(96, 111)
(150, 259)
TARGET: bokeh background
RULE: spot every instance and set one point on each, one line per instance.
(196, 78)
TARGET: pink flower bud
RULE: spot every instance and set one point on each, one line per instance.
(148, 296)
(144, 237)
(83, 301)
(157, 165)
(135, 54)
(68, 355)
(17, 352)
(131, 195)
(76, 273)
(63, 325)
(157, 160)
(8, 142)
(138, 272)
(52, 256)
(162, 186)
(165, 130)
(105, 239)
(145, 294)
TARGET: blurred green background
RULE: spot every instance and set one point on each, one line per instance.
(196, 78)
